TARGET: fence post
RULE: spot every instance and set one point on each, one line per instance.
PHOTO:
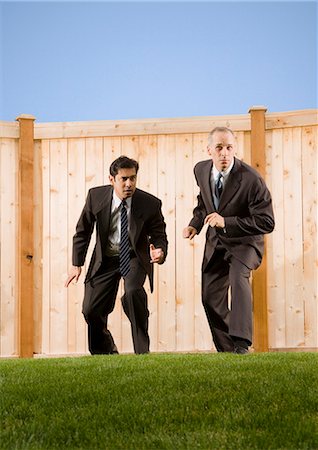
(25, 237)
(258, 160)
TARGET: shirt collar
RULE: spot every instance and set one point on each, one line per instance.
(117, 201)
(224, 173)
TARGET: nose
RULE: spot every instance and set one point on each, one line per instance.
(224, 151)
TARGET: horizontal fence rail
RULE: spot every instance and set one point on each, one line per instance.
(69, 158)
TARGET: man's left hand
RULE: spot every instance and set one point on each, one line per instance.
(215, 220)
(156, 254)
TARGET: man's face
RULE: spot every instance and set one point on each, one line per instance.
(124, 183)
(222, 150)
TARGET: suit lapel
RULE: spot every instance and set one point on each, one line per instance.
(233, 183)
(136, 220)
(105, 211)
(206, 188)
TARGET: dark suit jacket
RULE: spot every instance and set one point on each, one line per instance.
(246, 206)
(147, 226)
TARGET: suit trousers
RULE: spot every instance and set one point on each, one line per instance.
(99, 301)
(227, 322)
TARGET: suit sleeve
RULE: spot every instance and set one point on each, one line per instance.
(260, 219)
(157, 230)
(199, 212)
(84, 230)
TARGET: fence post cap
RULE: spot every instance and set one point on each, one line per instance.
(257, 108)
(25, 116)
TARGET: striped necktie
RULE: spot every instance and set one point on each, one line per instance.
(124, 249)
(218, 188)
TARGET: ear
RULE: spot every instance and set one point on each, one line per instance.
(209, 150)
(112, 180)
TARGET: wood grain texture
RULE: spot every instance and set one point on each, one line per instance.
(25, 248)
(65, 168)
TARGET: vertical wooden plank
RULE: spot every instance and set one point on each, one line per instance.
(95, 170)
(77, 340)
(310, 220)
(293, 235)
(167, 272)
(243, 139)
(275, 242)
(112, 150)
(147, 157)
(25, 236)
(202, 339)
(46, 236)
(58, 246)
(130, 148)
(94, 176)
(184, 248)
(8, 253)
(148, 181)
(38, 244)
(247, 147)
(240, 140)
(258, 161)
(243, 152)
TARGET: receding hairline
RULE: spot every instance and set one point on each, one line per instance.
(219, 130)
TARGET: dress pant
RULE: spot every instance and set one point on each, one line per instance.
(227, 323)
(99, 301)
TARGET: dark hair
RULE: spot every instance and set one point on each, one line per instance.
(123, 162)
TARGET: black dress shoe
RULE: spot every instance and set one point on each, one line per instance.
(238, 350)
(114, 351)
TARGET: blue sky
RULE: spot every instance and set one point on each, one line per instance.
(74, 61)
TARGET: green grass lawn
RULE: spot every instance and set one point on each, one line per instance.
(161, 401)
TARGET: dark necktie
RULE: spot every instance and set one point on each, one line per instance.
(124, 249)
(218, 188)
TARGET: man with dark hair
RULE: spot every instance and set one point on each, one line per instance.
(237, 206)
(130, 238)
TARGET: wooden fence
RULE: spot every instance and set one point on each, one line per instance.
(46, 170)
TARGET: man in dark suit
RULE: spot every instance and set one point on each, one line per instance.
(130, 238)
(236, 204)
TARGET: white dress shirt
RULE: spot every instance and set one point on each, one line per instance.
(214, 177)
(114, 226)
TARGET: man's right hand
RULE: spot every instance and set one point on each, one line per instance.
(189, 232)
(74, 273)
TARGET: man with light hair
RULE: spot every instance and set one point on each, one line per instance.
(237, 207)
